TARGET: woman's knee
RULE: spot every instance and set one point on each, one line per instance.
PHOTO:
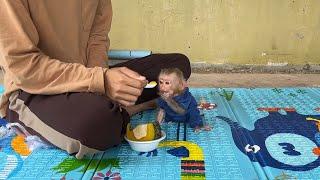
(183, 63)
(101, 127)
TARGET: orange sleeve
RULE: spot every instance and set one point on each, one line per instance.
(32, 70)
(99, 42)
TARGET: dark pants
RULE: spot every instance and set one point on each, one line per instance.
(85, 123)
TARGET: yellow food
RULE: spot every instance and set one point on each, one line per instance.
(153, 131)
(151, 84)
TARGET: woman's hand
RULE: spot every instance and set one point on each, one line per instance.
(124, 85)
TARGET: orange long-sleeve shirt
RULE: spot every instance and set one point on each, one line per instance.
(53, 46)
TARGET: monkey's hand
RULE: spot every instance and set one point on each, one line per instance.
(197, 129)
(166, 96)
(160, 116)
(172, 103)
(207, 128)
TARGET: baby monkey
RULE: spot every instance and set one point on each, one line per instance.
(176, 103)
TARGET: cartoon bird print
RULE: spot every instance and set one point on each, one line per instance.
(192, 158)
(283, 141)
(11, 162)
(13, 152)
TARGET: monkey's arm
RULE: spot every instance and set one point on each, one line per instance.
(160, 116)
(173, 105)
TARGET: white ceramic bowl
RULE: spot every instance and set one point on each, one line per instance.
(145, 146)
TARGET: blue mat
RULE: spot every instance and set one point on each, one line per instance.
(258, 133)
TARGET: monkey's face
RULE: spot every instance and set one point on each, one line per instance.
(169, 84)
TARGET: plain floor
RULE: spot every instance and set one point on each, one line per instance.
(254, 80)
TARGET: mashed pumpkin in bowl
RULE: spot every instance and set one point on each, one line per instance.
(145, 137)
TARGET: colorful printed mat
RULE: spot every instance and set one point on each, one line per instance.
(258, 133)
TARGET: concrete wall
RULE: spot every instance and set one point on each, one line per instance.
(258, 32)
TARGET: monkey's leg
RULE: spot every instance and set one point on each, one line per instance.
(185, 131)
(178, 131)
